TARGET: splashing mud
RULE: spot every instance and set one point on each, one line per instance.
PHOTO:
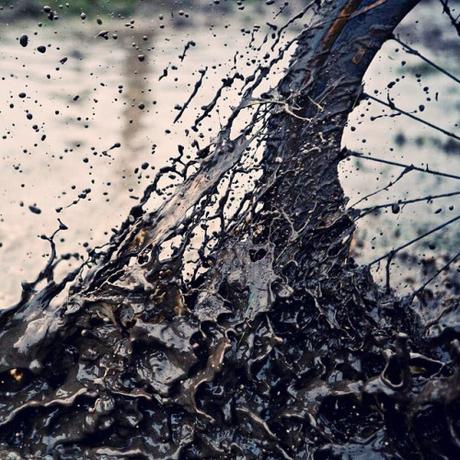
(231, 321)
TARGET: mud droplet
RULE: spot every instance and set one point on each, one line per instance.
(24, 40)
(34, 209)
(104, 34)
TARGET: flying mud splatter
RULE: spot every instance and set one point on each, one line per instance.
(231, 321)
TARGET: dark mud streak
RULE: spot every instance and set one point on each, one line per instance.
(279, 346)
(196, 88)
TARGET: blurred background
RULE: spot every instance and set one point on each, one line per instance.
(89, 91)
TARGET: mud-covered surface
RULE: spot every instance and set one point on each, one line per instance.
(231, 322)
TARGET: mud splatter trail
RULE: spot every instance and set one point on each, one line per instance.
(231, 321)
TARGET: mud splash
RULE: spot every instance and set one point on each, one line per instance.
(231, 322)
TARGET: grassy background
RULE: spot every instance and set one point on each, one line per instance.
(90, 7)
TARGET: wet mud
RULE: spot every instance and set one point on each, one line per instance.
(232, 322)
